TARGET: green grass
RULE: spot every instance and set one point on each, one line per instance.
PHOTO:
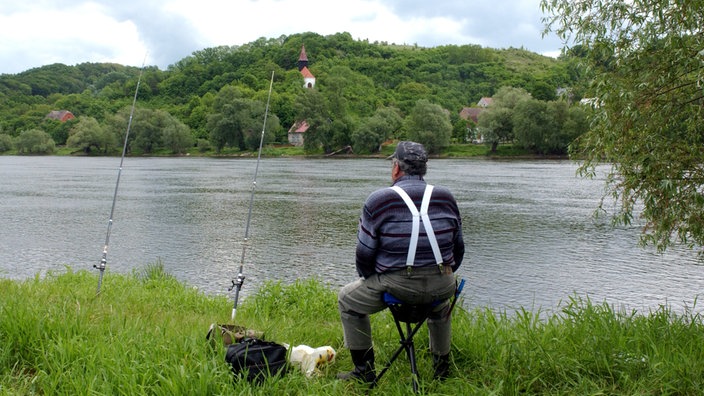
(145, 334)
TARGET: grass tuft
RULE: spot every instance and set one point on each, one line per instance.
(145, 334)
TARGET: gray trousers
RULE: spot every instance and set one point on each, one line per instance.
(357, 300)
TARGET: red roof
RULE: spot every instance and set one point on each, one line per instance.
(306, 73)
(61, 115)
(299, 127)
(303, 56)
(471, 113)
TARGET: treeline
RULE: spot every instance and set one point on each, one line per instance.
(365, 94)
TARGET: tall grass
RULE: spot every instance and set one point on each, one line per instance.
(145, 334)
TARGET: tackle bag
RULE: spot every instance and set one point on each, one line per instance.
(256, 359)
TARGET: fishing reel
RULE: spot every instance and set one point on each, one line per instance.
(103, 261)
(237, 282)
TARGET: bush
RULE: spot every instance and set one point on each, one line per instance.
(203, 145)
(5, 142)
(35, 141)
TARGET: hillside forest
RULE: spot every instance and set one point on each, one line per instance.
(363, 94)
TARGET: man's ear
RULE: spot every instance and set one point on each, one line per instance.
(396, 171)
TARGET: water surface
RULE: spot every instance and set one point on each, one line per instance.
(531, 237)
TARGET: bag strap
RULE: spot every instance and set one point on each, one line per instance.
(417, 216)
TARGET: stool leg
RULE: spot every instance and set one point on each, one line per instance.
(408, 345)
(411, 351)
(398, 351)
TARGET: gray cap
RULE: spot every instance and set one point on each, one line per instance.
(409, 152)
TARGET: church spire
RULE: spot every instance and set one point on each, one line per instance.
(302, 59)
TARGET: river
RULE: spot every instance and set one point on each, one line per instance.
(531, 239)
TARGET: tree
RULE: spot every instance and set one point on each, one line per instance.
(88, 134)
(461, 128)
(496, 126)
(374, 130)
(530, 124)
(496, 122)
(311, 107)
(176, 135)
(547, 127)
(5, 142)
(429, 124)
(236, 120)
(58, 130)
(648, 67)
(147, 129)
(34, 141)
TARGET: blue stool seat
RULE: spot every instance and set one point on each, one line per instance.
(409, 313)
(413, 315)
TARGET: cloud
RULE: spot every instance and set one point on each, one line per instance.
(42, 32)
(36, 37)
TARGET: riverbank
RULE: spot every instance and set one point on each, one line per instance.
(145, 334)
(504, 151)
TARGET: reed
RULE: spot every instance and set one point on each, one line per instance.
(145, 334)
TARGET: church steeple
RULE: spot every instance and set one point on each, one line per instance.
(302, 59)
(308, 77)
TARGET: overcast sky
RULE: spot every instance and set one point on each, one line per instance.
(41, 32)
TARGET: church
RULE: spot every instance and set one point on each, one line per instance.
(298, 129)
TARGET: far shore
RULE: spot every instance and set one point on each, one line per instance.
(504, 151)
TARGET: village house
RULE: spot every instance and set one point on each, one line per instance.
(295, 133)
(472, 113)
(60, 115)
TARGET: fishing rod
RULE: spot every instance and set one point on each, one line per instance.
(237, 282)
(104, 259)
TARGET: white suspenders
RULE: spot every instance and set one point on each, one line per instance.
(417, 216)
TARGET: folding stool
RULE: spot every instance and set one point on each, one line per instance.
(413, 315)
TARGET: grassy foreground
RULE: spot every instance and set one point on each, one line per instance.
(145, 334)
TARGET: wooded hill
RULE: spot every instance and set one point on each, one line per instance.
(358, 76)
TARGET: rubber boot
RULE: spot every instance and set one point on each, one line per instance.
(441, 364)
(363, 360)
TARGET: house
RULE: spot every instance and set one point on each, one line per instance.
(295, 133)
(60, 115)
(472, 113)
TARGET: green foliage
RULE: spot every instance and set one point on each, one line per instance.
(236, 120)
(88, 134)
(5, 142)
(34, 141)
(311, 107)
(149, 130)
(646, 64)
(175, 135)
(354, 79)
(496, 122)
(530, 119)
(373, 131)
(58, 130)
(429, 125)
(547, 127)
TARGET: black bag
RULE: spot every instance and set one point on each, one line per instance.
(256, 359)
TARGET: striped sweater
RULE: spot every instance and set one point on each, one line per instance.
(385, 229)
